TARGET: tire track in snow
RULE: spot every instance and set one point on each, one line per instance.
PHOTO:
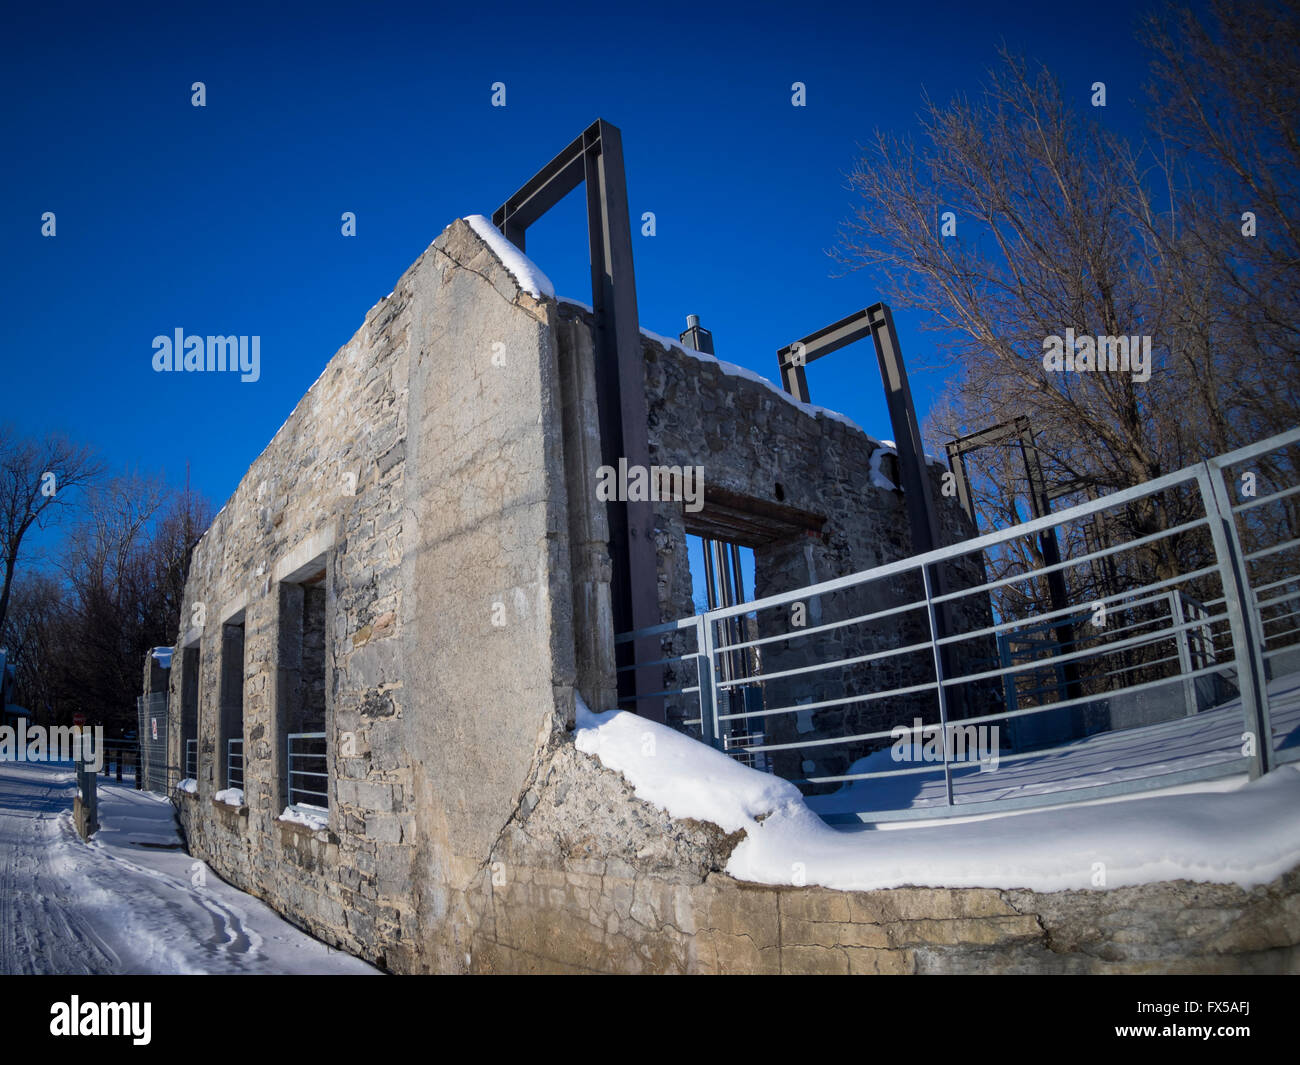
(40, 928)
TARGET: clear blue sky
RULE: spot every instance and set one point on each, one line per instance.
(226, 219)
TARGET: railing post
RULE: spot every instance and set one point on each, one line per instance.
(1237, 601)
(1181, 636)
(87, 782)
(938, 676)
(710, 729)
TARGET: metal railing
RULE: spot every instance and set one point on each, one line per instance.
(235, 763)
(192, 759)
(120, 754)
(308, 770)
(1210, 613)
(1036, 644)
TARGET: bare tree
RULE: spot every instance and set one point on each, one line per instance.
(1225, 91)
(34, 633)
(126, 564)
(1062, 224)
(35, 479)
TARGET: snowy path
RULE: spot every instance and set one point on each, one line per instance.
(129, 901)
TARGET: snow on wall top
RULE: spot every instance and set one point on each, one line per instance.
(525, 271)
(1248, 836)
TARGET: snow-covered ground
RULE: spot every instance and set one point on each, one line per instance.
(1247, 835)
(130, 900)
(1207, 739)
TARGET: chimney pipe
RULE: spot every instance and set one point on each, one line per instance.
(696, 336)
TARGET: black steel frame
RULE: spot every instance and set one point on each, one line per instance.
(596, 159)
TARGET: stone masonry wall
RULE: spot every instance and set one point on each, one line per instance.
(419, 472)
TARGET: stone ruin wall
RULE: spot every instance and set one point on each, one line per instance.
(435, 485)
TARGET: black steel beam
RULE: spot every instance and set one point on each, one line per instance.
(543, 191)
(921, 512)
(596, 160)
(794, 357)
(922, 516)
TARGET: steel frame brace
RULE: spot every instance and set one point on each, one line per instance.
(878, 322)
(922, 515)
(596, 159)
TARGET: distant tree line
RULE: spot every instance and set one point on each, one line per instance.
(78, 621)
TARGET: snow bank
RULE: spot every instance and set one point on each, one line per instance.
(231, 796)
(679, 774)
(524, 270)
(1248, 836)
(306, 816)
(189, 785)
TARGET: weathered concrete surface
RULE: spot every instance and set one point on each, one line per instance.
(422, 474)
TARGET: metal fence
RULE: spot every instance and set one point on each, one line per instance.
(308, 771)
(151, 716)
(121, 760)
(1198, 613)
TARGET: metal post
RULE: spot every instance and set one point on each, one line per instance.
(596, 159)
(1250, 667)
(710, 728)
(1184, 650)
(87, 785)
(938, 676)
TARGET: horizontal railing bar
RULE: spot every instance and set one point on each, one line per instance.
(1168, 633)
(825, 627)
(1274, 584)
(837, 663)
(794, 709)
(659, 662)
(1072, 563)
(1250, 451)
(1005, 714)
(1281, 493)
(666, 691)
(657, 630)
(1084, 700)
(1265, 552)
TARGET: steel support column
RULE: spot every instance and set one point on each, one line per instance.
(596, 160)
